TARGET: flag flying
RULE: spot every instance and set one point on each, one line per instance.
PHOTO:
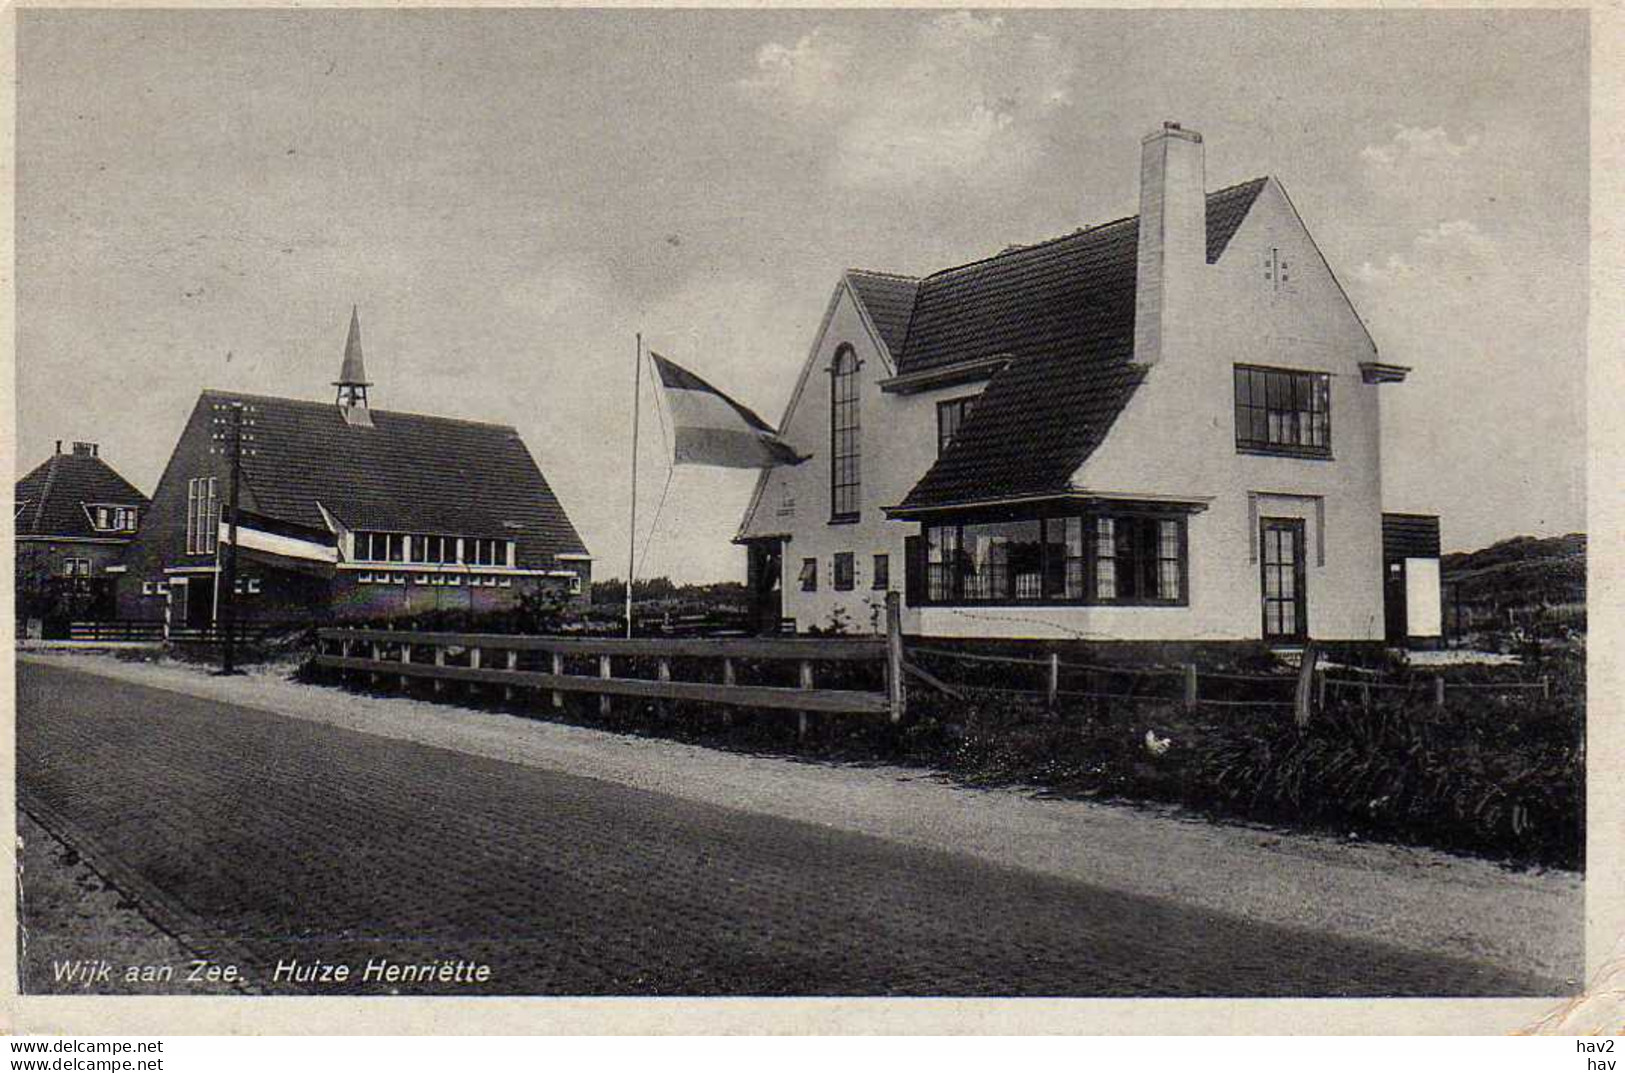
(279, 543)
(714, 430)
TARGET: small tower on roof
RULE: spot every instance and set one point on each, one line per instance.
(352, 383)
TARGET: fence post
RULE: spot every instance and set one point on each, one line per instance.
(439, 661)
(664, 674)
(1052, 683)
(474, 665)
(1320, 691)
(377, 657)
(1304, 694)
(728, 679)
(1190, 687)
(1546, 687)
(604, 671)
(344, 653)
(806, 683)
(1438, 691)
(896, 690)
(513, 665)
(558, 670)
(406, 657)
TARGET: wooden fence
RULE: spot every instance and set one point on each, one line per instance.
(116, 631)
(1184, 684)
(493, 660)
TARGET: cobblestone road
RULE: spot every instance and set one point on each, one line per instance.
(259, 838)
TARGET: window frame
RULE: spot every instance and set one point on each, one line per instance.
(202, 516)
(962, 406)
(880, 572)
(807, 579)
(845, 456)
(1317, 390)
(844, 572)
(1063, 562)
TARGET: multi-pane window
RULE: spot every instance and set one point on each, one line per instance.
(881, 573)
(1109, 558)
(950, 415)
(202, 516)
(846, 571)
(487, 551)
(430, 549)
(1283, 411)
(809, 575)
(75, 567)
(113, 519)
(845, 455)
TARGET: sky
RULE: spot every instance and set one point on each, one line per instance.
(510, 196)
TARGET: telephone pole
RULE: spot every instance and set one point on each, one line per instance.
(233, 435)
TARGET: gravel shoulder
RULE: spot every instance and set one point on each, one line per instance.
(1416, 899)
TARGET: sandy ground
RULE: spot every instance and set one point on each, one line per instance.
(1417, 899)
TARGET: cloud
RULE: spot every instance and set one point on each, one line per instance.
(807, 73)
(968, 105)
(1453, 250)
(1417, 144)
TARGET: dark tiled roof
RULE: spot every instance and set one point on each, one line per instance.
(56, 490)
(889, 300)
(408, 473)
(1063, 312)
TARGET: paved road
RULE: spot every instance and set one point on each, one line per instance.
(258, 838)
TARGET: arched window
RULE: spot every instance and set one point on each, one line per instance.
(845, 469)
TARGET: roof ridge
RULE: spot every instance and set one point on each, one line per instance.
(885, 275)
(45, 491)
(220, 393)
(1079, 233)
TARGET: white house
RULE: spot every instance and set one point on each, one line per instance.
(1161, 428)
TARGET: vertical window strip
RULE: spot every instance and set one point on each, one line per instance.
(845, 452)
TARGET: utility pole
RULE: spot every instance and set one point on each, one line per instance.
(228, 581)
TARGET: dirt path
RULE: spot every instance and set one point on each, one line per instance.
(1418, 900)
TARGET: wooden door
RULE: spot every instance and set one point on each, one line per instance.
(1285, 602)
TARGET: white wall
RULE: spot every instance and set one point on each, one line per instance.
(1176, 437)
(1424, 603)
(898, 444)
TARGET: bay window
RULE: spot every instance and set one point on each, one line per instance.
(1119, 557)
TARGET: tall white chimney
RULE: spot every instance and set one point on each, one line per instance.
(1173, 234)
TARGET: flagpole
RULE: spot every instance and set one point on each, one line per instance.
(632, 534)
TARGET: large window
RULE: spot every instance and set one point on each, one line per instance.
(431, 549)
(1283, 412)
(950, 415)
(1118, 558)
(202, 516)
(845, 455)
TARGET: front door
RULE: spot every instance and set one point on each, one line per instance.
(764, 573)
(1285, 601)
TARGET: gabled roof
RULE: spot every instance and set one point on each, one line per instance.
(889, 300)
(407, 473)
(54, 493)
(1062, 311)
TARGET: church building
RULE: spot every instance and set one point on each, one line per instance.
(347, 513)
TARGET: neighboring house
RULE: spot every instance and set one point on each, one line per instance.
(1160, 428)
(74, 515)
(349, 513)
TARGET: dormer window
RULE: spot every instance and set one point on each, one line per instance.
(108, 518)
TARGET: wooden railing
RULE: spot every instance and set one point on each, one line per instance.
(116, 631)
(493, 660)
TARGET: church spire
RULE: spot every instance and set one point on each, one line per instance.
(352, 382)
